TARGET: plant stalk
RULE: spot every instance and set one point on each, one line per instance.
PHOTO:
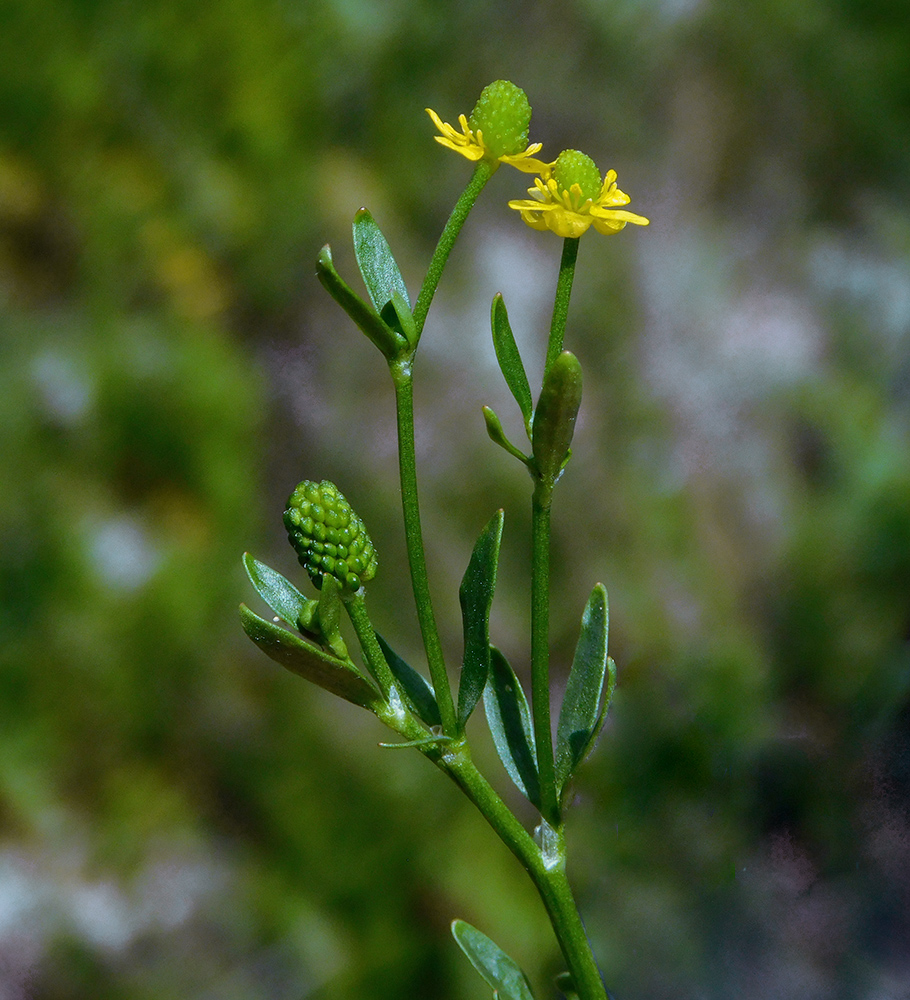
(545, 866)
(402, 376)
(561, 302)
(482, 173)
(540, 648)
(366, 636)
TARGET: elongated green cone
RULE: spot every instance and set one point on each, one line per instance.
(554, 418)
(329, 538)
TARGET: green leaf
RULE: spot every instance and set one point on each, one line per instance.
(417, 688)
(554, 418)
(377, 265)
(329, 616)
(405, 317)
(498, 970)
(581, 713)
(340, 677)
(476, 597)
(511, 725)
(280, 594)
(498, 435)
(390, 342)
(510, 360)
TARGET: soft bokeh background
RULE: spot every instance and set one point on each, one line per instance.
(182, 819)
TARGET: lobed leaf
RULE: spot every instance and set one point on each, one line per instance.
(511, 725)
(417, 688)
(494, 965)
(510, 362)
(339, 677)
(581, 714)
(476, 598)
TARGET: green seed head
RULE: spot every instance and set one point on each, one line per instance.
(502, 114)
(329, 538)
(572, 167)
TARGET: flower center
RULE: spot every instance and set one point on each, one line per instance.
(572, 167)
(502, 113)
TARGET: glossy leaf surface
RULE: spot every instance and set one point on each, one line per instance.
(580, 713)
(498, 970)
(377, 265)
(511, 725)
(414, 684)
(476, 597)
(278, 593)
(336, 676)
(509, 359)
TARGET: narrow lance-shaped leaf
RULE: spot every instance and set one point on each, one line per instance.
(377, 265)
(415, 685)
(499, 971)
(389, 341)
(280, 594)
(337, 676)
(511, 725)
(498, 435)
(476, 597)
(405, 318)
(510, 360)
(580, 712)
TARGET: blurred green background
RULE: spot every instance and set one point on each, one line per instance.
(178, 817)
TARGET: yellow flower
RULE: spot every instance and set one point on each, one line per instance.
(497, 129)
(569, 197)
(470, 144)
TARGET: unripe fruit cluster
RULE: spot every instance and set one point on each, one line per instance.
(502, 114)
(329, 538)
(572, 167)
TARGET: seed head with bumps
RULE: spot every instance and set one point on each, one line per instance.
(329, 538)
(572, 167)
(503, 115)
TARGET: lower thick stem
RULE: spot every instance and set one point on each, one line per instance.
(545, 864)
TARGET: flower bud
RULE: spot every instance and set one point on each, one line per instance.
(329, 538)
(503, 115)
(554, 418)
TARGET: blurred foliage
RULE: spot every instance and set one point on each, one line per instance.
(180, 818)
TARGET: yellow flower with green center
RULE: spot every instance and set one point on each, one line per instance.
(569, 197)
(497, 129)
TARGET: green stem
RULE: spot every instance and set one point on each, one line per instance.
(545, 865)
(540, 647)
(561, 303)
(402, 376)
(482, 173)
(366, 636)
